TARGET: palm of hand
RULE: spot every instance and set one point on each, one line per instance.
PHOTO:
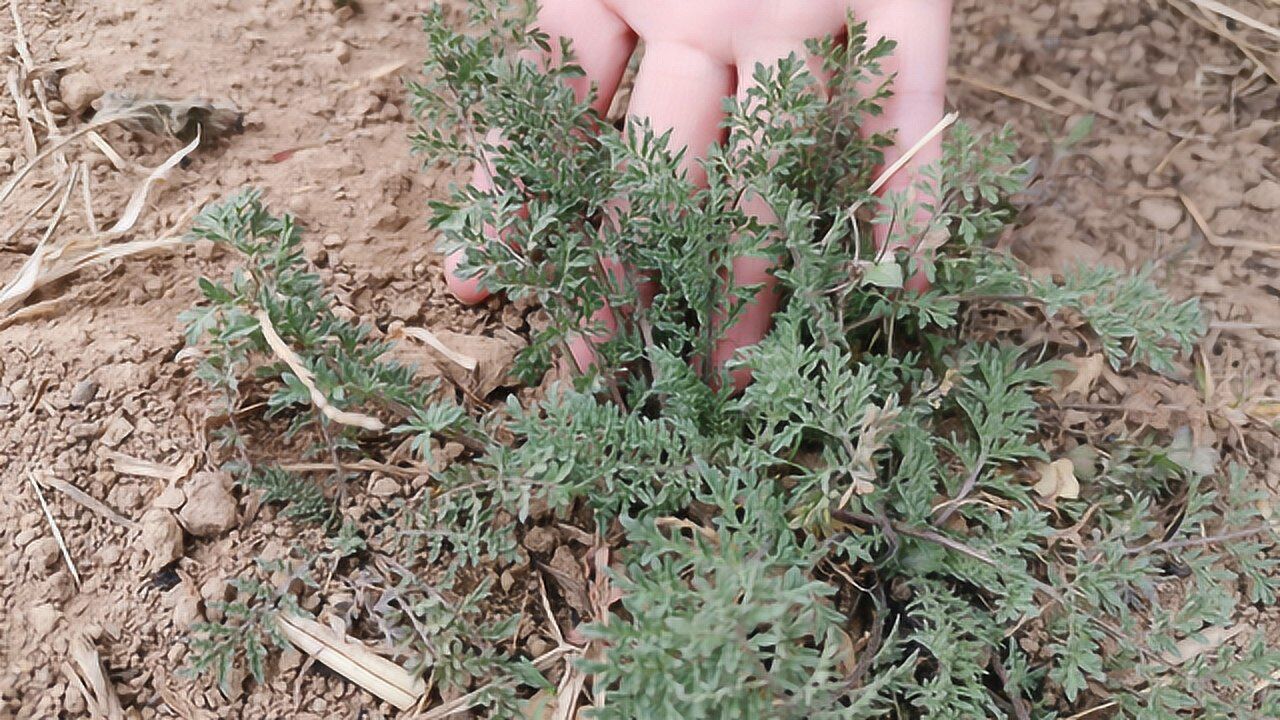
(733, 31)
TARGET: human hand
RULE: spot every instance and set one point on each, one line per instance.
(697, 53)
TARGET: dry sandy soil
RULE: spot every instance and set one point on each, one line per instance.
(1181, 170)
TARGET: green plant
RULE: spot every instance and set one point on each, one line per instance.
(856, 534)
(346, 368)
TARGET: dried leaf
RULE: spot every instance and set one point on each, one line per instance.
(1088, 370)
(90, 677)
(183, 119)
(1057, 481)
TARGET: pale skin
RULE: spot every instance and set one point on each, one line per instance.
(697, 52)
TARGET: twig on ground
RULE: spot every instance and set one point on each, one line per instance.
(970, 483)
(857, 518)
(359, 466)
(1015, 700)
(1184, 543)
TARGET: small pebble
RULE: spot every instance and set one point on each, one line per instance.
(384, 487)
(84, 430)
(1264, 196)
(1163, 213)
(84, 393)
(342, 51)
(78, 90)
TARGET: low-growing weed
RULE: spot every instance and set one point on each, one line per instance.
(864, 532)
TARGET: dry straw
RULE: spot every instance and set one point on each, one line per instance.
(353, 661)
(290, 358)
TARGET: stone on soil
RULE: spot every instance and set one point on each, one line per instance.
(210, 509)
(161, 537)
(1264, 196)
(1163, 213)
(83, 393)
(78, 90)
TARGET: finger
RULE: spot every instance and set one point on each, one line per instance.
(754, 322)
(921, 29)
(468, 290)
(679, 90)
(602, 44)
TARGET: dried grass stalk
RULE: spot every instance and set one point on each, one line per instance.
(1230, 12)
(946, 122)
(353, 661)
(290, 358)
(90, 678)
(134, 208)
(53, 526)
(429, 339)
(86, 500)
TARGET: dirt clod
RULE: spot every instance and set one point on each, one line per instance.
(210, 509)
(186, 605)
(43, 617)
(1163, 213)
(78, 90)
(42, 554)
(161, 538)
(1264, 196)
(117, 429)
(541, 539)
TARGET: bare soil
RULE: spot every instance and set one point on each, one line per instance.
(1180, 172)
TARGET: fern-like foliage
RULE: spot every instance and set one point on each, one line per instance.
(856, 534)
